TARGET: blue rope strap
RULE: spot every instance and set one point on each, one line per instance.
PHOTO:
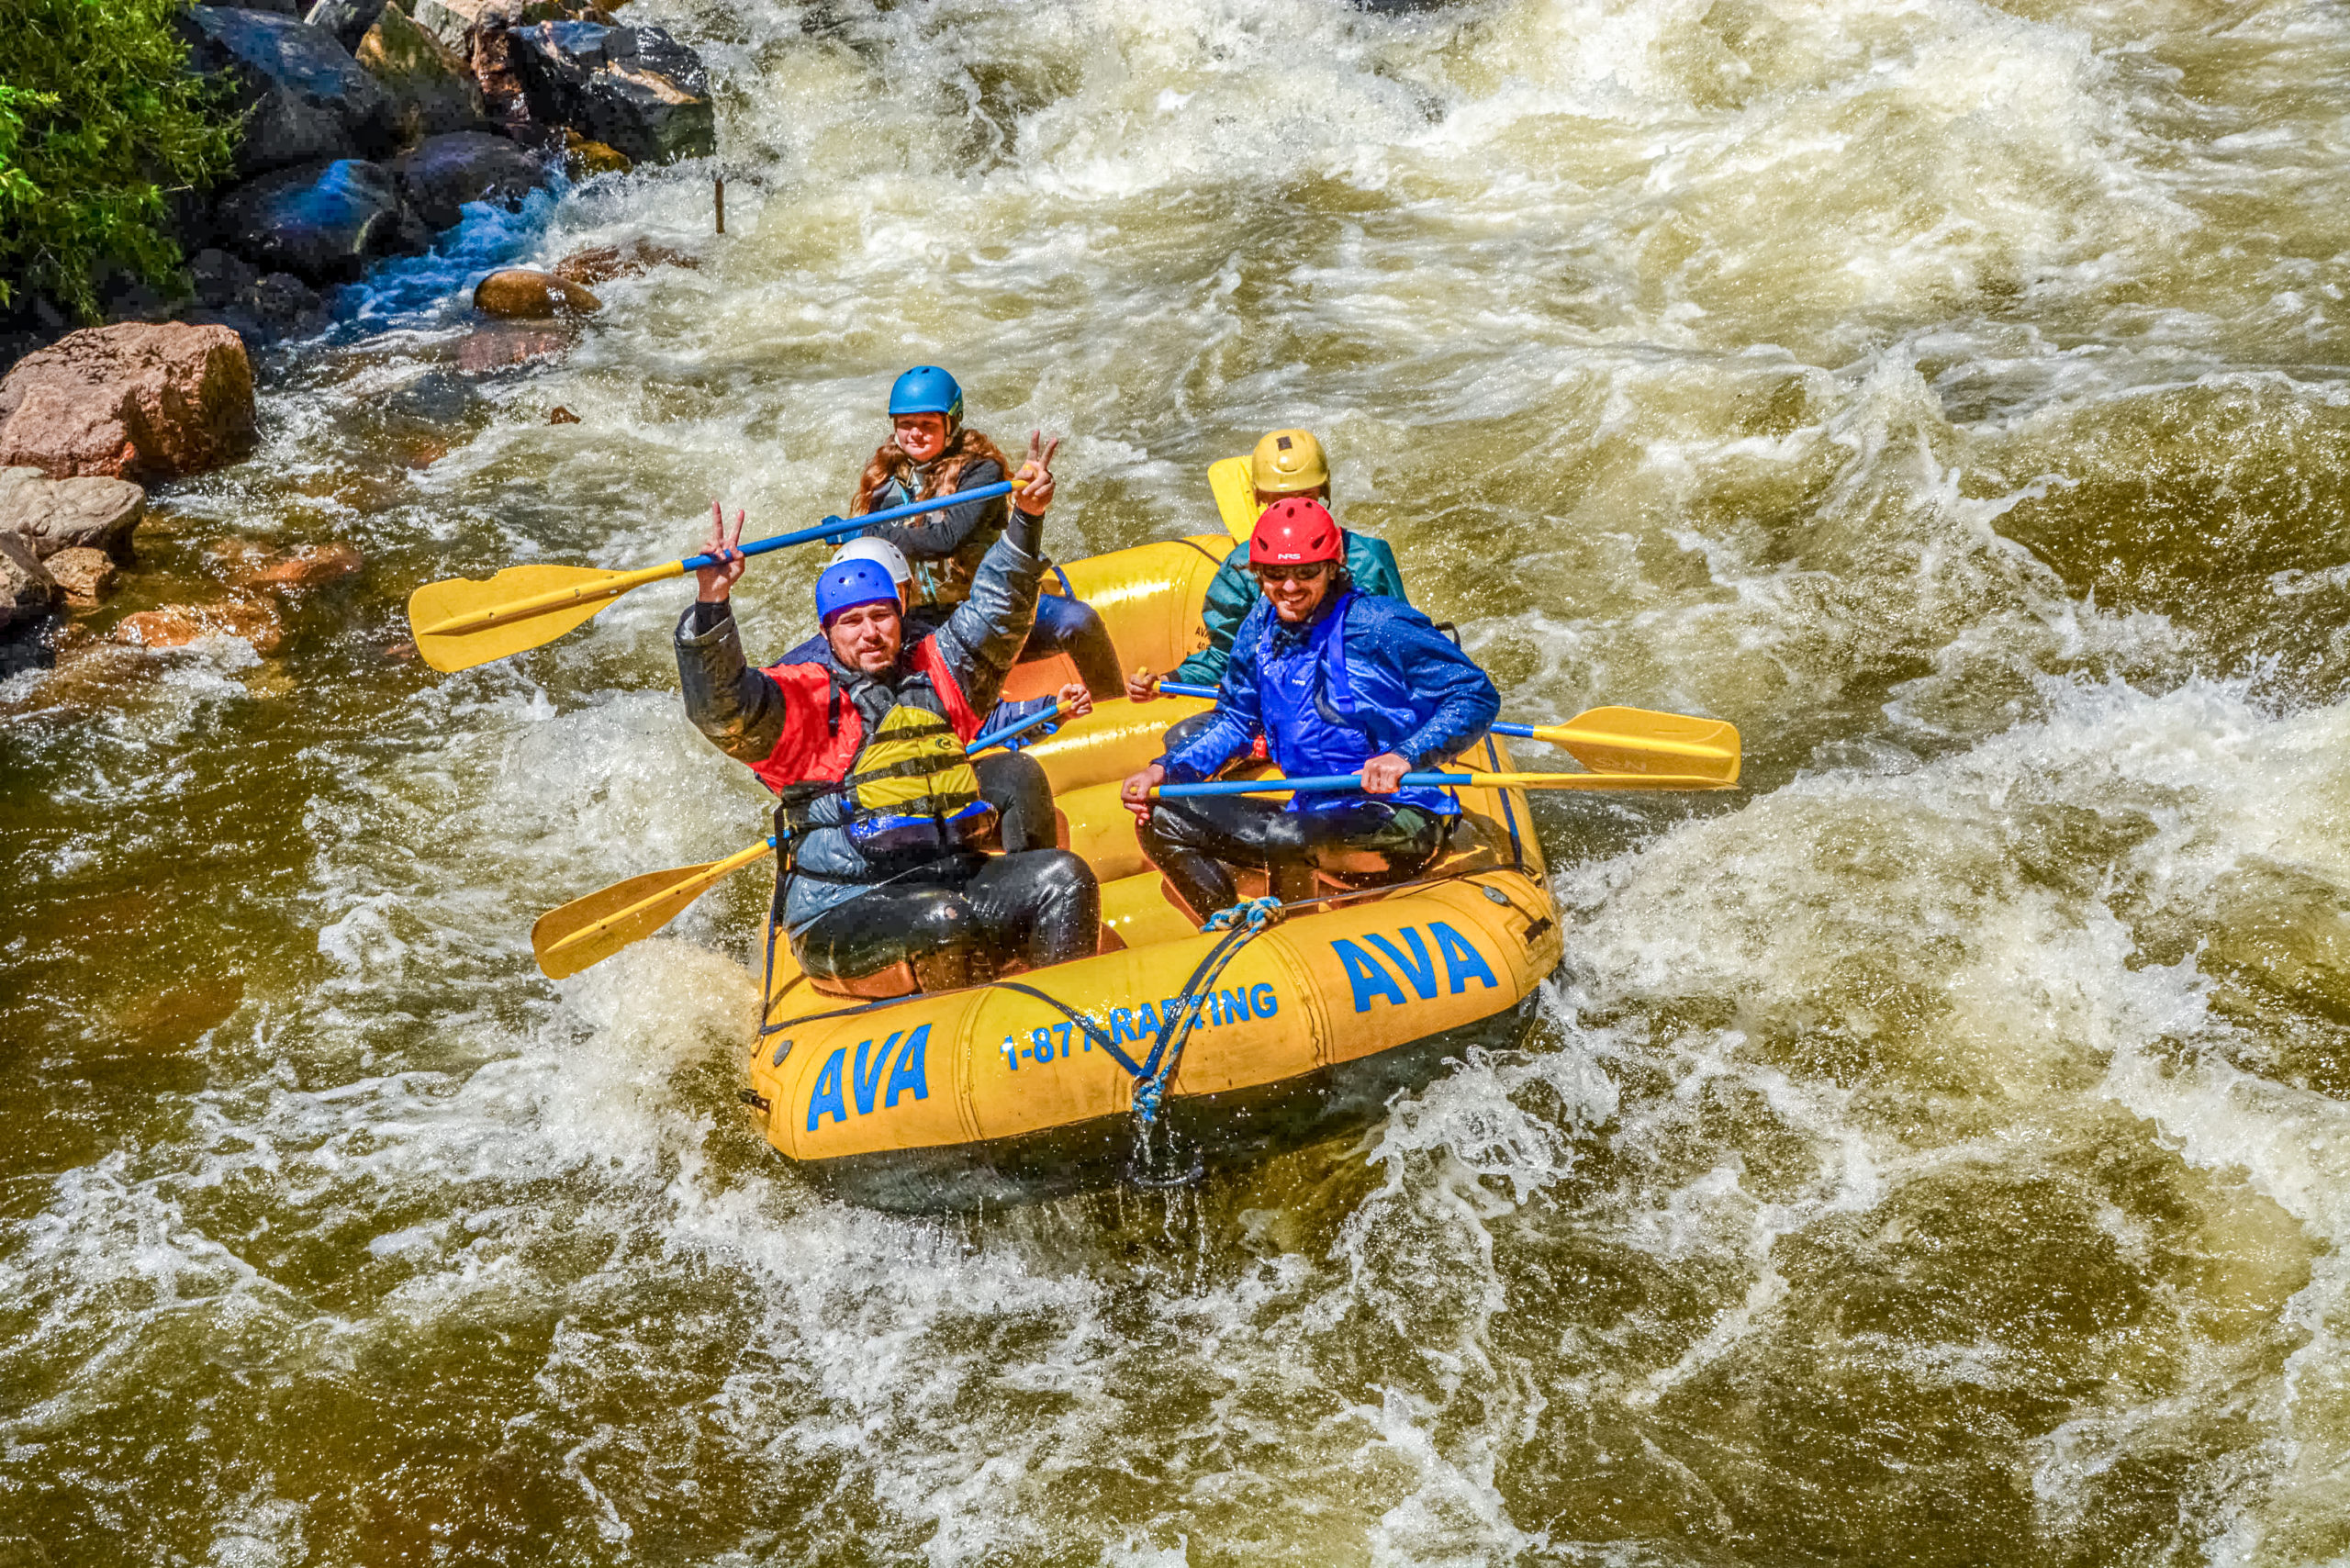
(1239, 923)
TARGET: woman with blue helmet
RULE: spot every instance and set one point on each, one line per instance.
(931, 451)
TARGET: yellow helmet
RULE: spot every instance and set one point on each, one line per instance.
(1289, 463)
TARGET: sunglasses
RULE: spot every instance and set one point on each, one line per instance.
(1310, 572)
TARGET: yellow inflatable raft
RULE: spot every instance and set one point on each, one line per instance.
(1024, 1086)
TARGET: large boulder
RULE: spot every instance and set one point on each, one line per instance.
(55, 515)
(302, 95)
(26, 590)
(445, 172)
(432, 85)
(323, 222)
(635, 89)
(140, 400)
(348, 20)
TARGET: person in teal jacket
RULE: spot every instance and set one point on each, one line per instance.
(1286, 463)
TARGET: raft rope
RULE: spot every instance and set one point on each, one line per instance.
(1241, 923)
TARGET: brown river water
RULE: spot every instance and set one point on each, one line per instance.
(1934, 1153)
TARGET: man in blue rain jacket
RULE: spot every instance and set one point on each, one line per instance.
(1335, 681)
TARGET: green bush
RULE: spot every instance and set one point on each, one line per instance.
(98, 118)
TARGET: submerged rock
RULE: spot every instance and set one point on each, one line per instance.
(519, 293)
(504, 343)
(176, 625)
(601, 263)
(309, 565)
(146, 400)
(26, 590)
(636, 89)
(432, 85)
(84, 575)
(55, 515)
(323, 222)
(447, 172)
(302, 95)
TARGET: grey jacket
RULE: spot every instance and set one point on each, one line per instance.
(744, 711)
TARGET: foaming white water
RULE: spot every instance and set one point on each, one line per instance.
(1928, 1153)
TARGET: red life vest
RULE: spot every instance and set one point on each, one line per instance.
(822, 733)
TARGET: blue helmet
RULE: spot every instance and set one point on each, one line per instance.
(927, 390)
(849, 583)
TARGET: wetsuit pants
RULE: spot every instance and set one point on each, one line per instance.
(1043, 905)
(1015, 784)
(1070, 626)
(1364, 843)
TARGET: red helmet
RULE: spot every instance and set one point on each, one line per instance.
(1293, 531)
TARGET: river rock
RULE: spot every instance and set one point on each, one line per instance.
(502, 343)
(323, 222)
(348, 20)
(84, 575)
(636, 89)
(310, 566)
(519, 293)
(584, 160)
(446, 172)
(601, 263)
(145, 400)
(303, 96)
(26, 590)
(432, 85)
(55, 515)
(177, 625)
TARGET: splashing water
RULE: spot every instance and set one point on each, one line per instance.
(1934, 1153)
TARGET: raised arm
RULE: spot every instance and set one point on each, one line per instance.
(982, 640)
(740, 711)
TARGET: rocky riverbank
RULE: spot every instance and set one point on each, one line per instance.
(367, 128)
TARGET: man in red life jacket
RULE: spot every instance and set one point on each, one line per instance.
(879, 807)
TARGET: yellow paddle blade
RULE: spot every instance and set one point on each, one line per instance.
(1634, 740)
(1235, 488)
(588, 931)
(460, 622)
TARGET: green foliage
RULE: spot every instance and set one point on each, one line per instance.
(98, 118)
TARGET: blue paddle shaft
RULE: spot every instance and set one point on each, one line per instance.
(842, 527)
(1012, 732)
(1313, 784)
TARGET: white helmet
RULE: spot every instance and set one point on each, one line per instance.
(891, 559)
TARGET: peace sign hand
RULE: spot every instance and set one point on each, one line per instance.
(1037, 472)
(714, 583)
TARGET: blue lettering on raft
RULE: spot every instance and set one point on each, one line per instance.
(864, 1076)
(1370, 979)
(1141, 1024)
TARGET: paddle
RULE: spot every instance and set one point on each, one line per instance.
(1234, 485)
(1321, 783)
(1614, 741)
(588, 930)
(462, 621)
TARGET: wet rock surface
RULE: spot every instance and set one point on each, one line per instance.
(430, 85)
(244, 617)
(51, 516)
(601, 263)
(445, 172)
(305, 566)
(137, 400)
(26, 590)
(323, 222)
(261, 308)
(521, 294)
(348, 20)
(634, 89)
(85, 576)
(303, 96)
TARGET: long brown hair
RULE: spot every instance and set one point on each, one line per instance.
(965, 446)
